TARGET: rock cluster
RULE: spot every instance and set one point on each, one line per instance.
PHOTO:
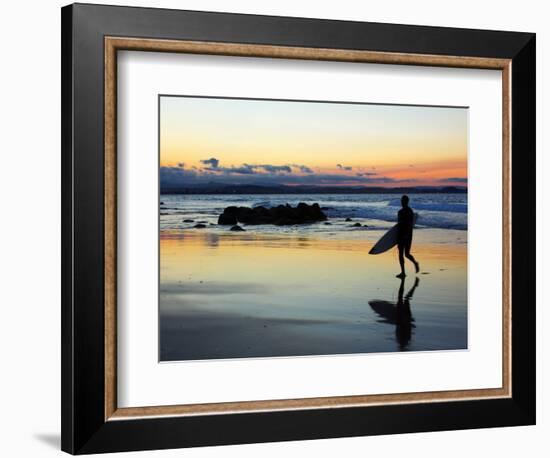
(282, 215)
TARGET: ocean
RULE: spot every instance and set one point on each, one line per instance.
(376, 211)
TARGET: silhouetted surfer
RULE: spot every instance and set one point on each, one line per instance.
(405, 222)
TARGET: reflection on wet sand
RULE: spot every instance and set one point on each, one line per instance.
(398, 314)
(240, 295)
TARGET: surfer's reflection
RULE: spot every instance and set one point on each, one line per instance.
(398, 314)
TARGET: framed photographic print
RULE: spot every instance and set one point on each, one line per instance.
(284, 228)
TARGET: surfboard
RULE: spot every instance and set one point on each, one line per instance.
(388, 240)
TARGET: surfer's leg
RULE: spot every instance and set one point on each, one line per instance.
(401, 248)
(410, 257)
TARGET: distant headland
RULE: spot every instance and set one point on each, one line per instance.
(219, 188)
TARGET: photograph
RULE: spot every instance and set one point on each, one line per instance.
(301, 228)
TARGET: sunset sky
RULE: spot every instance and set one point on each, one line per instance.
(240, 141)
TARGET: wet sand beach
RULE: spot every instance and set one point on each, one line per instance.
(249, 294)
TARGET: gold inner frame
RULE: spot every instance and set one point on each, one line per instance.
(114, 44)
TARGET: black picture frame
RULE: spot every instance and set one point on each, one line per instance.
(84, 428)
